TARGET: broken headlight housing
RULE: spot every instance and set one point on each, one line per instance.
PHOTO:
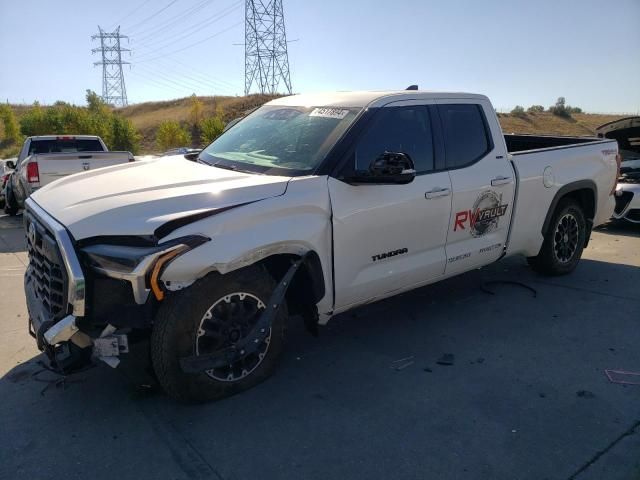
(141, 266)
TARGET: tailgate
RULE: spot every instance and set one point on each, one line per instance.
(57, 165)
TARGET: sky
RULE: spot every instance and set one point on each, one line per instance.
(517, 52)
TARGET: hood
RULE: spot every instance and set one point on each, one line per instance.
(136, 198)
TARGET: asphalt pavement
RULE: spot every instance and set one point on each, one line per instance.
(462, 379)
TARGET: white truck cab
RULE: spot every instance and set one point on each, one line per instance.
(310, 206)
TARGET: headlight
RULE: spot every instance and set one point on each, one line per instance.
(141, 266)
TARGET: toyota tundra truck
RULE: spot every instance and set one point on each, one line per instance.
(46, 158)
(308, 207)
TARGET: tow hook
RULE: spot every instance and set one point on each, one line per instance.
(249, 344)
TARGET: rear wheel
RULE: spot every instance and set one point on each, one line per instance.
(10, 205)
(214, 314)
(563, 242)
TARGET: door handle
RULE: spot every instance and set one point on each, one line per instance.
(501, 181)
(437, 192)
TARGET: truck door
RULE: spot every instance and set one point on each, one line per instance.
(390, 237)
(482, 180)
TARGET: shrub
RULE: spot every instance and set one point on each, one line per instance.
(535, 109)
(97, 118)
(33, 122)
(11, 130)
(171, 135)
(123, 135)
(195, 112)
(211, 129)
(561, 109)
(518, 111)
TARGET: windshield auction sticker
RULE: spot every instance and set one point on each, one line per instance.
(329, 113)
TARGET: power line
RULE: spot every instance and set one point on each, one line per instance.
(192, 44)
(160, 83)
(266, 60)
(183, 79)
(128, 15)
(172, 22)
(167, 41)
(196, 75)
(114, 91)
(132, 27)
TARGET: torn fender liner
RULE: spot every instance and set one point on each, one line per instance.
(166, 228)
(247, 345)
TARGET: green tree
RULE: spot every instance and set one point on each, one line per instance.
(535, 109)
(518, 111)
(195, 112)
(11, 129)
(95, 104)
(123, 135)
(33, 122)
(97, 118)
(211, 129)
(171, 135)
(560, 108)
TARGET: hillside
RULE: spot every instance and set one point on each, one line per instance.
(146, 117)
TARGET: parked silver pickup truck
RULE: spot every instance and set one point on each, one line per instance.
(46, 158)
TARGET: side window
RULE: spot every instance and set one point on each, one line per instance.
(466, 136)
(398, 129)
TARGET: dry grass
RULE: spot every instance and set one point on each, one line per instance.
(546, 123)
(147, 116)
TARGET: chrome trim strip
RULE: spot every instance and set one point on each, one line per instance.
(62, 331)
(76, 288)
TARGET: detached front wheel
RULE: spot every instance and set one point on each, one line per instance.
(563, 242)
(211, 318)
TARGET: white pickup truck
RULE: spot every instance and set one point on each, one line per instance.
(46, 158)
(310, 206)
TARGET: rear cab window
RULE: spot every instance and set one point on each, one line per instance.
(65, 145)
(467, 137)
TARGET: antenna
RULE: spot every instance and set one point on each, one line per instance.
(114, 91)
(266, 60)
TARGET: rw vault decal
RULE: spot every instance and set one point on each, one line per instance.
(484, 216)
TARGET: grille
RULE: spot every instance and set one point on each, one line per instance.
(46, 269)
(622, 201)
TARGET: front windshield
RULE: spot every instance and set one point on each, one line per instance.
(280, 140)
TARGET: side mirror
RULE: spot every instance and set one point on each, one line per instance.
(387, 168)
(10, 164)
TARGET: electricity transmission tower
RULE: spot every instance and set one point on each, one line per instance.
(266, 61)
(113, 90)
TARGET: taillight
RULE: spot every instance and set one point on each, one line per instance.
(33, 174)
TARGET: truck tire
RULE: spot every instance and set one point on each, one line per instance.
(213, 313)
(563, 242)
(10, 205)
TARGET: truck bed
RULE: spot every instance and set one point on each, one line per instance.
(525, 143)
(544, 164)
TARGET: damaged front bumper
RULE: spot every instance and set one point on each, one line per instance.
(67, 347)
(54, 286)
